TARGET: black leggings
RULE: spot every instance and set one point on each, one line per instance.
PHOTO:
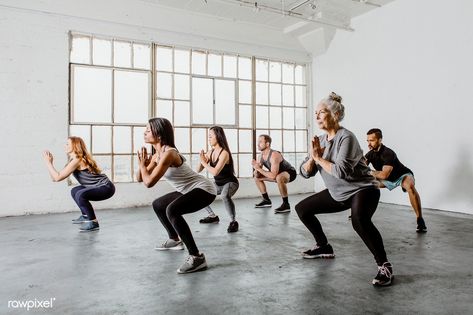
(170, 208)
(83, 194)
(363, 205)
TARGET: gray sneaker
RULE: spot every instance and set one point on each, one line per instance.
(89, 226)
(193, 263)
(80, 219)
(170, 245)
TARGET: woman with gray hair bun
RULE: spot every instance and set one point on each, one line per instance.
(338, 157)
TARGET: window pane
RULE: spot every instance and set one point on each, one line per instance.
(105, 164)
(182, 113)
(288, 118)
(122, 54)
(122, 168)
(164, 109)
(244, 92)
(199, 140)
(141, 56)
(181, 86)
(164, 58)
(276, 136)
(164, 85)
(300, 96)
(121, 139)
(182, 139)
(229, 66)
(244, 68)
(291, 158)
(261, 117)
(300, 74)
(232, 139)
(274, 94)
(287, 73)
(102, 52)
(215, 65)
(182, 61)
(301, 141)
(301, 118)
(289, 145)
(244, 165)
(245, 116)
(82, 132)
(92, 95)
(261, 93)
(261, 70)
(245, 141)
(275, 71)
(275, 117)
(101, 139)
(202, 101)
(80, 51)
(131, 97)
(225, 102)
(198, 62)
(288, 95)
(138, 140)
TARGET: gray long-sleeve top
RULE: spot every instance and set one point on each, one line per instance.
(350, 173)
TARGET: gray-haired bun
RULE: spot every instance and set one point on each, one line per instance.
(334, 105)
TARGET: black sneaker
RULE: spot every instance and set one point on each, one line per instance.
(264, 204)
(80, 220)
(421, 228)
(325, 251)
(210, 219)
(232, 227)
(284, 208)
(385, 275)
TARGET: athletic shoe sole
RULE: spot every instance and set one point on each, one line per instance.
(421, 230)
(90, 230)
(214, 222)
(265, 206)
(282, 211)
(322, 256)
(379, 284)
(200, 267)
(170, 248)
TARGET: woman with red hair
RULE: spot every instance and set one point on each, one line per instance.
(94, 186)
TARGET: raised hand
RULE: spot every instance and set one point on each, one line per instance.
(48, 157)
(255, 164)
(203, 158)
(316, 150)
(143, 158)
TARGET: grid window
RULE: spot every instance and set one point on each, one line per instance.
(112, 98)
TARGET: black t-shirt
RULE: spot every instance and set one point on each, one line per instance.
(386, 156)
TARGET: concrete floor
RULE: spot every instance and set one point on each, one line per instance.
(257, 270)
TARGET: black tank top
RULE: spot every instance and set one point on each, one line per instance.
(284, 166)
(226, 175)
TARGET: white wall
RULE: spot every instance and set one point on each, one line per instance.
(34, 88)
(408, 69)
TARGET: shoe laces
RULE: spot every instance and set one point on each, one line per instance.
(383, 270)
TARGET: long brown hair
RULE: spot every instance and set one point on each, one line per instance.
(80, 150)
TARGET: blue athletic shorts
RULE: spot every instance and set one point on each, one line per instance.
(391, 185)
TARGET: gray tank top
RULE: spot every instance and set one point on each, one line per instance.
(87, 178)
(184, 179)
(284, 166)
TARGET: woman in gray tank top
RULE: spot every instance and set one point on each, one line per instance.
(94, 186)
(193, 192)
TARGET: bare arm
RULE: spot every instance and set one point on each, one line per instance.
(62, 174)
(384, 173)
(223, 159)
(165, 161)
(276, 158)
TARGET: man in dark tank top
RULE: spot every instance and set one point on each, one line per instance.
(272, 167)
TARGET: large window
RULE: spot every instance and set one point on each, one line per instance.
(117, 85)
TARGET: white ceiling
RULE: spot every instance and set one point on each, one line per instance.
(295, 17)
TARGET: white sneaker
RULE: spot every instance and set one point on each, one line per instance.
(170, 245)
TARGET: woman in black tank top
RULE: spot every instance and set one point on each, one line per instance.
(219, 162)
(94, 185)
